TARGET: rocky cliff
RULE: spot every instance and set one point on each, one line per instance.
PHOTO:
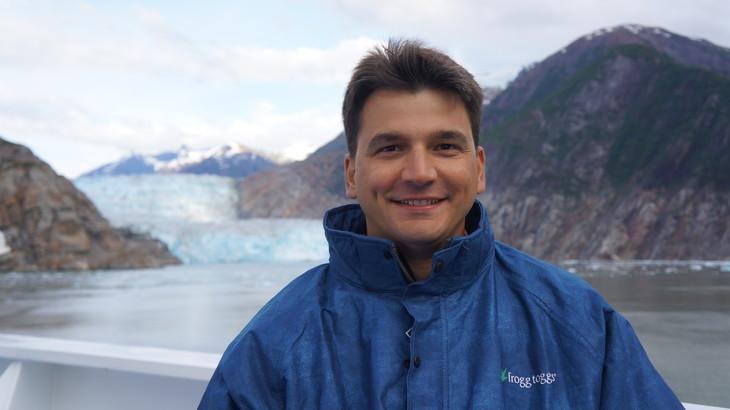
(615, 147)
(46, 224)
(303, 189)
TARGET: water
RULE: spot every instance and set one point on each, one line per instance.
(681, 311)
(188, 307)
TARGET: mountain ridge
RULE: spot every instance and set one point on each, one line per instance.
(46, 224)
(614, 147)
(232, 160)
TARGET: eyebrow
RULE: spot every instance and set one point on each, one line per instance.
(452, 135)
(389, 137)
(384, 138)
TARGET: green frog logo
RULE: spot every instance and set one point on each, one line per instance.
(526, 382)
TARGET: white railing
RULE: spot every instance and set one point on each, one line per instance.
(54, 374)
(38, 373)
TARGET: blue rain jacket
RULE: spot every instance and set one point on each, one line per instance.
(491, 328)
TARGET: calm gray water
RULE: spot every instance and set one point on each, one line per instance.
(681, 312)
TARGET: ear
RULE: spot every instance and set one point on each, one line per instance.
(350, 188)
(481, 164)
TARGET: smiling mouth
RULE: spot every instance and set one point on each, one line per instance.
(418, 202)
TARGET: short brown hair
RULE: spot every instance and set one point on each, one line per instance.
(411, 66)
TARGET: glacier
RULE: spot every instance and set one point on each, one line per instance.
(195, 216)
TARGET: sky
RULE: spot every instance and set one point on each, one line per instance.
(85, 83)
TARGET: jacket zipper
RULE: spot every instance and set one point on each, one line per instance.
(403, 268)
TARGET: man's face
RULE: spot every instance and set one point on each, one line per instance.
(416, 172)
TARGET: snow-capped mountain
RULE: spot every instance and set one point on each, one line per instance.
(231, 160)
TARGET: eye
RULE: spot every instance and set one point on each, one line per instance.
(446, 146)
(389, 148)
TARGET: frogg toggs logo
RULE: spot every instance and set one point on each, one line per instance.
(526, 382)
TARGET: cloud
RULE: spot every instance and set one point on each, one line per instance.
(300, 64)
(456, 18)
(130, 80)
(406, 12)
(496, 36)
(149, 79)
(266, 128)
(246, 62)
(145, 43)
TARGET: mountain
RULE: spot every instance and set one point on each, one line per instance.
(615, 147)
(312, 186)
(232, 160)
(46, 224)
(303, 189)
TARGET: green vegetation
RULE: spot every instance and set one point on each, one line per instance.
(671, 130)
(664, 134)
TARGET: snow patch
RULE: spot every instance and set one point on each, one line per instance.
(175, 161)
(662, 32)
(186, 157)
(4, 248)
(634, 28)
(598, 33)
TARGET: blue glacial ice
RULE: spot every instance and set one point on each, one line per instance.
(195, 215)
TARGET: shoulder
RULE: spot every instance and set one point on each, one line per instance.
(567, 300)
(286, 312)
(549, 282)
(277, 324)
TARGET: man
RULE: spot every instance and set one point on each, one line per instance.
(419, 307)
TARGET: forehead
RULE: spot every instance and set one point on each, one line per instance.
(408, 113)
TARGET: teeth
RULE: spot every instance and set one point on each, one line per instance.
(419, 202)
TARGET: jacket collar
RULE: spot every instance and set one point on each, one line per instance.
(372, 263)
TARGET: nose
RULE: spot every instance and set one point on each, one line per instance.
(418, 168)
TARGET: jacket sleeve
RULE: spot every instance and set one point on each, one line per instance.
(246, 378)
(629, 379)
(216, 395)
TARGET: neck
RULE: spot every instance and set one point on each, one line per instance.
(418, 259)
(417, 262)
